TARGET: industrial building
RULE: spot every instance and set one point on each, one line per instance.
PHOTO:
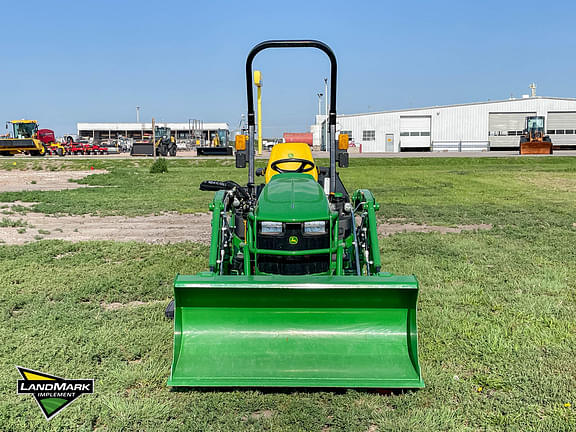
(182, 132)
(482, 126)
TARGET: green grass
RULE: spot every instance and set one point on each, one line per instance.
(12, 223)
(496, 308)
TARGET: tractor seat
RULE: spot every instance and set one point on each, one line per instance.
(297, 156)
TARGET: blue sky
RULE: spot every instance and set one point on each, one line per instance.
(70, 61)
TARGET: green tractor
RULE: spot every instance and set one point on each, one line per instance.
(295, 295)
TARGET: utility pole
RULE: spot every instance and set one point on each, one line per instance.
(258, 83)
(320, 133)
(154, 137)
(137, 114)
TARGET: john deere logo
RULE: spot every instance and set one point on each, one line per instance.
(293, 240)
(52, 393)
(290, 155)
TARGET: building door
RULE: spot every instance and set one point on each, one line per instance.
(415, 132)
(389, 146)
(504, 129)
(561, 126)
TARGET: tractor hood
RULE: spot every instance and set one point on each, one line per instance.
(292, 197)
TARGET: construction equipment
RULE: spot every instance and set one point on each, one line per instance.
(163, 140)
(295, 295)
(219, 145)
(24, 139)
(53, 147)
(533, 141)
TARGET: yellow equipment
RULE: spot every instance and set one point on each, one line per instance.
(24, 139)
(300, 157)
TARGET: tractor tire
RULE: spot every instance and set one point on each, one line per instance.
(173, 151)
(60, 152)
(169, 312)
(5, 154)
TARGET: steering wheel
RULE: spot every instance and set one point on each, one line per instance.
(305, 165)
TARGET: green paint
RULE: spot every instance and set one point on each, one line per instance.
(307, 331)
(333, 329)
(292, 197)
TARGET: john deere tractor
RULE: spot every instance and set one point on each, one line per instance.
(294, 294)
(23, 139)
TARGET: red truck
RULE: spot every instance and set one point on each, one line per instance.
(53, 147)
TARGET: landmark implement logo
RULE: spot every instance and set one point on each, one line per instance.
(52, 393)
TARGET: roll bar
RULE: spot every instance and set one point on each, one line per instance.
(332, 110)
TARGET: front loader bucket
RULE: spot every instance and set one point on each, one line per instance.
(303, 331)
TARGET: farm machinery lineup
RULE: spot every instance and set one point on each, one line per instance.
(26, 138)
(294, 295)
(83, 147)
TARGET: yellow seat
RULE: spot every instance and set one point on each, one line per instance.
(291, 151)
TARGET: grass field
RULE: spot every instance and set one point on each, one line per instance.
(497, 308)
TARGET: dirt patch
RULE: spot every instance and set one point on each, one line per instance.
(164, 228)
(132, 304)
(24, 227)
(388, 229)
(17, 181)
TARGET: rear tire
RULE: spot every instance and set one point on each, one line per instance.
(173, 151)
(169, 312)
(60, 152)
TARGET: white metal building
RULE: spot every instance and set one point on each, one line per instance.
(482, 126)
(181, 131)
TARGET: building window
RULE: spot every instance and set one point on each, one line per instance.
(368, 135)
(404, 134)
(424, 133)
(551, 131)
(569, 131)
(347, 132)
(414, 133)
(559, 131)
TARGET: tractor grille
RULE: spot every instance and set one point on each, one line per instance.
(294, 265)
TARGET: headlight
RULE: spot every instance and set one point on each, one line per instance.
(315, 227)
(271, 227)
